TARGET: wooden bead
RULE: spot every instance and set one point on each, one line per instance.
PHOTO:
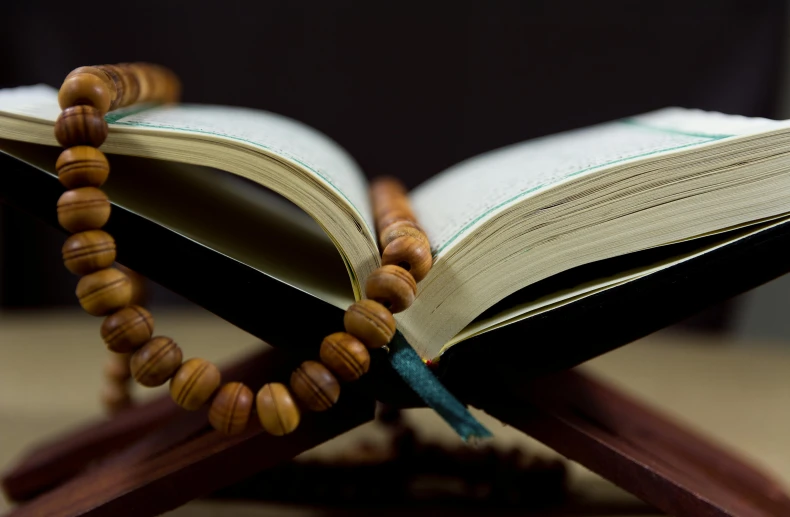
(89, 251)
(80, 125)
(115, 397)
(370, 322)
(157, 361)
(315, 386)
(105, 78)
(345, 356)
(127, 329)
(82, 166)
(117, 368)
(125, 82)
(277, 411)
(85, 208)
(413, 255)
(104, 291)
(194, 383)
(400, 229)
(230, 409)
(84, 89)
(391, 286)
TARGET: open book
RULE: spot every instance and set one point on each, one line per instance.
(286, 200)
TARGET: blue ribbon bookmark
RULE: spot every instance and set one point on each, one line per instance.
(410, 367)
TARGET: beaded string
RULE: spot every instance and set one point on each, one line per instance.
(89, 93)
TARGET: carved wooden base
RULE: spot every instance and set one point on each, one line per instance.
(156, 457)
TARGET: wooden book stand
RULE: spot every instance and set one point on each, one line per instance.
(155, 457)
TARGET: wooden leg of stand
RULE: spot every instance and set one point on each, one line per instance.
(53, 463)
(172, 465)
(660, 462)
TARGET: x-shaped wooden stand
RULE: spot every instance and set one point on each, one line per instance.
(155, 457)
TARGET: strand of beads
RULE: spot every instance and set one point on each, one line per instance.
(87, 94)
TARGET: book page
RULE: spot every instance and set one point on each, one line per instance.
(453, 203)
(280, 135)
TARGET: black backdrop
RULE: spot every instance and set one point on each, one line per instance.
(407, 87)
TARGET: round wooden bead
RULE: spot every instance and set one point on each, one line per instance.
(230, 409)
(315, 386)
(85, 208)
(413, 255)
(157, 361)
(104, 291)
(400, 229)
(105, 78)
(391, 217)
(345, 356)
(115, 397)
(89, 251)
(82, 166)
(391, 286)
(127, 329)
(125, 83)
(194, 383)
(80, 125)
(370, 322)
(84, 89)
(277, 411)
(117, 368)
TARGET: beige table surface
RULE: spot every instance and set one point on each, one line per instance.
(737, 392)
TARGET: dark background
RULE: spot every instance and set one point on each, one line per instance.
(408, 88)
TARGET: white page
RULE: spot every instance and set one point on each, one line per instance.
(281, 135)
(455, 201)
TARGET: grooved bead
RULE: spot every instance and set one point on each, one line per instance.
(277, 411)
(315, 386)
(125, 84)
(194, 383)
(80, 125)
(85, 208)
(84, 89)
(156, 361)
(127, 329)
(105, 78)
(230, 409)
(82, 166)
(104, 291)
(391, 286)
(400, 228)
(117, 368)
(89, 251)
(370, 322)
(115, 397)
(412, 254)
(345, 356)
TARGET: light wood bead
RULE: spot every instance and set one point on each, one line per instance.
(157, 361)
(80, 125)
(104, 291)
(82, 166)
(127, 329)
(105, 78)
(277, 410)
(194, 383)
(81, 209)
(370, 322)
(125, 83)
(84, 89)
(391, 286)
(413, 255)
(115, 397)
(345, 356)
(89, 251)
(230, 409)
(315, 386)
(117, 368)
(400, 229)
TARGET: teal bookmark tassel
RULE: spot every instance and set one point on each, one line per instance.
(410, 367)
